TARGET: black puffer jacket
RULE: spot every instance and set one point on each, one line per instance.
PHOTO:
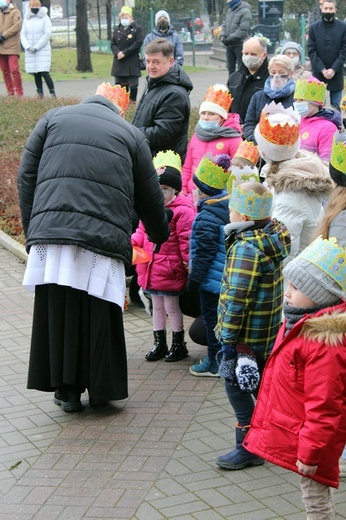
(129, 40)
(82, 171)
(164, 110)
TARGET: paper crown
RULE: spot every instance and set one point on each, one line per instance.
(248, 150)
(240, 174)
(343, 103)
(310, 89)
(250, 203)
(212, 173)
(337, 166)
(329, 257)
(126, 9)
(219, 95)
(167, 158)
(117, 94)
(279, 125)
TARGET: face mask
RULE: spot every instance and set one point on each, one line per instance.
(3, 4)
(162, 25)
(302, 108)
(295, 61)
(278, 82)
(208, 125)
(35, 10)
(252, 62)
(328, 17)
(125, 22)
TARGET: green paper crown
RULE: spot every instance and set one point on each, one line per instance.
(338, 154)
(250, 203)
(211, 174)
(167, 158)
(310, 89)
(329, 257)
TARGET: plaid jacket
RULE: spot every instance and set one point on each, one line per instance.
(251, 294)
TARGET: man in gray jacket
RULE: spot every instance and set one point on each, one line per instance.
(235, 29)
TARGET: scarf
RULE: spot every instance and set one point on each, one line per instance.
(215, 133)
(294, 314)
(286, 91)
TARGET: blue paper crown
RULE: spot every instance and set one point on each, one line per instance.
(329, 257)
(250, 203)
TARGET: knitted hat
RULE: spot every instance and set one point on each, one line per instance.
(320, 272)
(126, 9)
(337, 165)
(117, 95)
(168, 168)
(162, 13)
(291, 45)
(277, 133)
(212, 174)
(311, 89)
(217, 100)
(246, 201)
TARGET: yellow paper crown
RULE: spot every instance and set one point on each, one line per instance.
(210, 174)
(167, 158)
(338, 153)
(117, 94)
(310, 89)
(343, 103)
(329, 257)
(285, 132)
(219, 96)
(248, 151)
(126, 9)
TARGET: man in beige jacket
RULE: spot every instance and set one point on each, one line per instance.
(10, 25)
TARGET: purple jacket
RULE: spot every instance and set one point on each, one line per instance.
(316, 132)
(165, 271)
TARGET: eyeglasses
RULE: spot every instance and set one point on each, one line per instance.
(282, 76)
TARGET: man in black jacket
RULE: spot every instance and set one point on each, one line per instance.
(327, 51)
(83, 170)
(250, 77)
(163, 111)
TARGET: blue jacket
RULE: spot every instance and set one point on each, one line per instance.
(207, 246)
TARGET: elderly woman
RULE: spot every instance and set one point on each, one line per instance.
(126, 43)
(279, 87)
(294, 51)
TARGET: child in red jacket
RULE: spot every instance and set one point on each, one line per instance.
(165, 275)
(299, 422)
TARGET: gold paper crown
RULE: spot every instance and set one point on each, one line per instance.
(117, 94)
(310, 89)
(219, 96)
(211, 174)
(329, 257)
(338, 154)
(248, 151)
(126, 9)
(284, 132)
(167, 158)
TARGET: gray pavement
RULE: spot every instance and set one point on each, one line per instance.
(149, 457)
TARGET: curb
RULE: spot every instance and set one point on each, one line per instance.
(13, 246)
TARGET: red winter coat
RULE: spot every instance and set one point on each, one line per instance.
(301, 409)
(165, 271)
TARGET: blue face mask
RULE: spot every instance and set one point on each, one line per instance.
(207, 125)
(302, 108)
(3, 4)
(125, 22)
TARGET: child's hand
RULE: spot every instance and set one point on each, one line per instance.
(304, 469)
(186, 265)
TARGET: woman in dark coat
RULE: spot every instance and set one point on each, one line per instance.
(126, 43)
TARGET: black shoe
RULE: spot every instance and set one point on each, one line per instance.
(69, 400)
(95, 403)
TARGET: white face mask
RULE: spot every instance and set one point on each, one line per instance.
(252, 62)
(125, 22)
(277, 82)
(295, 60)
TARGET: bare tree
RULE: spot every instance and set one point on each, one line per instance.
(82, 37)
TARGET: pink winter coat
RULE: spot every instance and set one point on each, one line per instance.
(316, 133)
(165, 271)
(301, 408)
(197, 149)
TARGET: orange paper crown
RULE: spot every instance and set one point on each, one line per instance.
(285, 132)
(248, 151)
(117, 94)
(219, 96)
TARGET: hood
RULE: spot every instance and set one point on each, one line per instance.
(233, 121)
(273, 239)
(42, 12)
(159, 34)
(327, 326)
(330, 115)
(217, 205)
(175, 76)
(304, 173)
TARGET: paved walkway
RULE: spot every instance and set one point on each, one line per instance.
(149, 457)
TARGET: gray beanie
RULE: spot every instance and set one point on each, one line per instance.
(315, 283)
(291, 45)
(162, 13)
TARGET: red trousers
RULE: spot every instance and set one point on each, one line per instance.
(10, 70)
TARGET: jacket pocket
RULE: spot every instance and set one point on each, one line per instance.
(284, 421)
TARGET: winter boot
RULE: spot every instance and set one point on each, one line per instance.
(239, 458)
(39, 93)
(52, 93)
(160, 348)
(178, 349)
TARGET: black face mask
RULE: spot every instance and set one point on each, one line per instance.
(162, 25)
(328, 17)
(35, 10)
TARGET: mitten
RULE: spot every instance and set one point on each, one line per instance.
(246, 370)
(226, 359)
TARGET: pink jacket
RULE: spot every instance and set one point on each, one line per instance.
(300, 412)
(197, 149)
(165, 270)
(316, 135)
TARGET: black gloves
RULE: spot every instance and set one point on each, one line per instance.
(223, 40)
(2, 39)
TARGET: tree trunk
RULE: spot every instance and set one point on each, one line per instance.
(82, 37)
(109, 19)
(46, 3)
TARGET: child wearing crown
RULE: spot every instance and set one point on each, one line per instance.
(165, 275)
(299, 422)
(250, 305)
(217, 132)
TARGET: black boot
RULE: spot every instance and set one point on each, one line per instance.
(160, 348)
(52, 93)
(39, 93)
(178, 349)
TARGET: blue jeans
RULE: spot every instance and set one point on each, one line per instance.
(209, 302)
(335, 99)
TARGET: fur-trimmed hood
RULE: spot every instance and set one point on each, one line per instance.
(326, 328)
(42, 12)
(304, 173)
